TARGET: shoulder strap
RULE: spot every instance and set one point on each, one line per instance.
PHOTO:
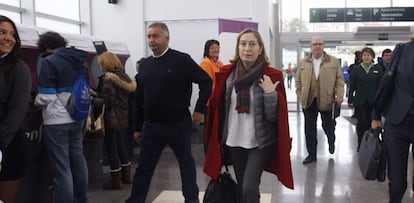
(395, 58)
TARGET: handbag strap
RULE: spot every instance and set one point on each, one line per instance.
(379, 132)
(226, 167)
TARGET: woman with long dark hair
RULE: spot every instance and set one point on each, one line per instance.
(15, 86)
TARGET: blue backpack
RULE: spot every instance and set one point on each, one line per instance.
(80, 99)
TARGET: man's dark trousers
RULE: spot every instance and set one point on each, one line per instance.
(398, 139)
(328, 125)
(155, 137)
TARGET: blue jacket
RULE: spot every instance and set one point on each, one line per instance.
(57, 74)
(345, 73)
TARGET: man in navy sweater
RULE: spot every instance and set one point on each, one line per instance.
(162, 116)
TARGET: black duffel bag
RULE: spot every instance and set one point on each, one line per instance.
(222, 190)
(373, 155)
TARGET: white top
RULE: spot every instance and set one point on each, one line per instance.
(162, 54)
(316, 66)
(241, 129)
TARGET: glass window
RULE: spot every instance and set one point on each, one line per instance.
(15, 16)
(368, 3)
(11, 2)
(62, 8)
(57, 26)
(290, 9)
(290, 59)
(291, 18)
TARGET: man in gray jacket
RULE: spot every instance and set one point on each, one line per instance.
(319, 83)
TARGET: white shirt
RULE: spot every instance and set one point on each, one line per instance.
(316, 66)
(241, 130)
(162, 54)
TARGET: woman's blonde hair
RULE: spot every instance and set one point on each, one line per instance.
(109, 61)
(263, 58)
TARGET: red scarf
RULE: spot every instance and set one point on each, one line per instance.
(243, 80)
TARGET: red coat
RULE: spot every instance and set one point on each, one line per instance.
(279, 164)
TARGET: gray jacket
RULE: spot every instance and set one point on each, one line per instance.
(265, 113)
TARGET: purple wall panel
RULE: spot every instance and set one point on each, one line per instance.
(235, 26)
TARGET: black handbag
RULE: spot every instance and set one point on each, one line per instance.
(32, 126)
(373, 155)
(386, 86)
(32, 122)
(222, 190)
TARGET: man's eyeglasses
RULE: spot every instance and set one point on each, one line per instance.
(317, 44)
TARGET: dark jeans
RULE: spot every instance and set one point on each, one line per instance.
(248, 166)
(155, 137)
(398, 139)
(328, 125)
(116, 148)
(289, 81)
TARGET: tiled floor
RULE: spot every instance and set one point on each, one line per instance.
(332, 179)
(168, 196)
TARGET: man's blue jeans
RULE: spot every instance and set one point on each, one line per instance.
(155, 136)
(64, 145)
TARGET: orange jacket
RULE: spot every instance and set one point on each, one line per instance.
(211, 68)
(279, 164)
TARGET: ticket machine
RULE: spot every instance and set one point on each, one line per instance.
(118, 48)
(85, 43)
(28, 38)
(38, 180)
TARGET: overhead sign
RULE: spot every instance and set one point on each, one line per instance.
(387, 14)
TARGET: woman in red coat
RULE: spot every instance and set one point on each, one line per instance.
(248, 116)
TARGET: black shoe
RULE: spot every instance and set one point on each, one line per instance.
(192, 201)
(332, 148)
(309, 159)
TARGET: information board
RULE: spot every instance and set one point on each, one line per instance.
(318, 15)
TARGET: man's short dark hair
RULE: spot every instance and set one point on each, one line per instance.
(386, 51)
(50, 40)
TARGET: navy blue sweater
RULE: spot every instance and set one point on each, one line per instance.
(164, 88)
